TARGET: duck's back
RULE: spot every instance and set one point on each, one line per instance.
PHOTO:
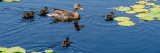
(62, 14)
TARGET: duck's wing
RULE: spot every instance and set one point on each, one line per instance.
(59, 13)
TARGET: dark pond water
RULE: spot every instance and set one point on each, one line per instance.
(98, 36)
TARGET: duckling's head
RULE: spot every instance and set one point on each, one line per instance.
(46, 8)
(77, 6)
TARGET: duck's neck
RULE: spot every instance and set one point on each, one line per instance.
(76, 15)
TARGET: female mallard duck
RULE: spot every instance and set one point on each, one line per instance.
(60, 15)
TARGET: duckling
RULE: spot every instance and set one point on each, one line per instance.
(61, 15)
(66, 42)
(28, 15)
(44, 11)
(109, 17)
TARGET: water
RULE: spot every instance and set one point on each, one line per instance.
(98, 36)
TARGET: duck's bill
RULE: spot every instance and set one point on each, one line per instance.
(81, 9)
(49, 15)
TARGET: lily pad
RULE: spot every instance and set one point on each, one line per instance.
(11, 0)
(141, 2)
(130, 12)
(138, 6)
(49, 51)
(141, 15)
(122, 19)
(155, 9)
(156, 6)
(126, 23)
(140, 10)
(15, 50)
(150, 4)
(35, 52)
(122, 8)
(3, 50)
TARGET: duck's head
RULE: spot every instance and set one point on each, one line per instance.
(77, 6)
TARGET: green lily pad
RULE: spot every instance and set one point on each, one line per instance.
(35, 52)
(138, 6)
(126, 23)
(150, 4)
(3, 49)
(140, 10)
(11, 0)
(141, 2)
(156, 6)
(148, 18)
(15, 49)
(122, 19)
(130, 12)
(158, 18)
(122, 8)
(49, 51)
(141, 15)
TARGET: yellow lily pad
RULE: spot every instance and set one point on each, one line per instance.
(156, 6)
(155, 9)
(49, 51)
(122, 8)
(130, 12)
(11, 0)
(138, 6)
(126, 23)
(147, 18)
(35, 52)
(150, 4)
(122, 19)
(15, 49)
(141, 15)
(3, 50)
(140, 10)
(141, 2)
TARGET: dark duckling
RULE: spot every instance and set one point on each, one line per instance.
(28, 15)
(109, 17)
(44, 11)
(66, 42)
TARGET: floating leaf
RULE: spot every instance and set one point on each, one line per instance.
(121, 18)
(15, 50)
(140, 10)
(141, 15)
(122, 8)
(35, 52)
(126, 23)
(138, 6)
(11, 0)
(3, 50)
(130, 12)
(49, 51)
(150, 4)
(141, 2)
